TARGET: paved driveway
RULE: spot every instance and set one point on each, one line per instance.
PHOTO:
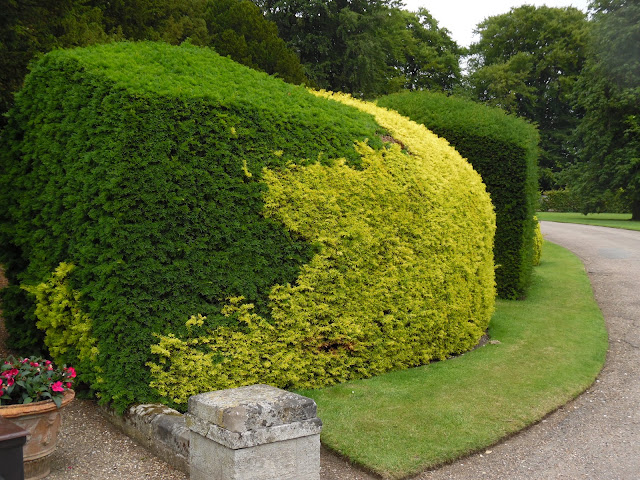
(597, 436)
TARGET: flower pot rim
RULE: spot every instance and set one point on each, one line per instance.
(44, 406)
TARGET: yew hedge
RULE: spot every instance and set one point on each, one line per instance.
(504, 150)
(180, 223)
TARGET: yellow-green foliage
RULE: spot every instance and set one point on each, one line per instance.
(403, 272)
(538, 240)
(67, 328)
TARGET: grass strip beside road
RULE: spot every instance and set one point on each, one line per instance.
(552, 346)
(613, 220)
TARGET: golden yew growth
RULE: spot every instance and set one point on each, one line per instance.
(68, 330)
(403, 274)
(538, 241)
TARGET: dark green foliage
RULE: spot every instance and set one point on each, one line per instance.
(503, 149)
(560, 201)
(366, 47)
(36, 26)
(139, 163)
(527, 62)
(607, 140)
(235, 28)
(568, 200)
(239, 30)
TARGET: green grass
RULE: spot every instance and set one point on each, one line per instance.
(552, 346)
(614, 220)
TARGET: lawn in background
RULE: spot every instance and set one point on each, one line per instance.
(614, 220)
(547, 349)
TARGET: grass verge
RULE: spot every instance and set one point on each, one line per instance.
(613, 220)
(552, 346)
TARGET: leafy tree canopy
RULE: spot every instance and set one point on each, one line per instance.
(608, 138)
(366, 48)
(235, 28)
(30, 28)
(527, 62)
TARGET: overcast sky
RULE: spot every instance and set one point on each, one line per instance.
(460, 17)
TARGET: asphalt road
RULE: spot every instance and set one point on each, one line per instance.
(597, 436)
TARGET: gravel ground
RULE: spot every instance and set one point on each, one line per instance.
(597, 436)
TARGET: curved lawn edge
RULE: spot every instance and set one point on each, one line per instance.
(551, 348)
(611, 220)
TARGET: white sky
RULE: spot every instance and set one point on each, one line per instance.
(460, 17)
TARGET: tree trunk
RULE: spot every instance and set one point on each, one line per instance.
(635, 210)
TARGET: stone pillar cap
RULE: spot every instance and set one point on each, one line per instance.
(251, 408)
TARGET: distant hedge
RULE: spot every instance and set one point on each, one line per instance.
(504, 150)
(560, 201)
(568, 201)
(144, 185)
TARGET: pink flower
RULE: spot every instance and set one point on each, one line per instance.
(68, 384)
(57, 387)
(50, 367)
(47, 362)
(25, 360)
(34, 364)
(10, 381)
(72, 372)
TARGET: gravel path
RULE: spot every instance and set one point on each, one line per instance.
(595, 437)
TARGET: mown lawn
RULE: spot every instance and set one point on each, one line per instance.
(547, 349)
(613, 220)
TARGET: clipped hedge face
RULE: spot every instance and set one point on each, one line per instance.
(503, 149)
(179, 183)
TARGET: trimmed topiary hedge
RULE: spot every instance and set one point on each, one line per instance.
(504, 150)
(147, 184)
(560, 201)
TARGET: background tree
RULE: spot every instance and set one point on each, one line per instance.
(608, 138)
(235, 28)
(527, 61)
(366, 48)
(28, 28)
(429, 58)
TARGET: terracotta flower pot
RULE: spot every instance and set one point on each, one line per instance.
(42, 420)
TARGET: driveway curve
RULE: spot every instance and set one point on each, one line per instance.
(596, 436)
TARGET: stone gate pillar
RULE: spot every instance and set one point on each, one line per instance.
(257, 432)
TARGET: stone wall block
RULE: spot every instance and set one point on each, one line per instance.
(257, 432)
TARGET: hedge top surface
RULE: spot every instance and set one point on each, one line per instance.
(446, 112)
(147, 67)
(153, 68)
(196, 74)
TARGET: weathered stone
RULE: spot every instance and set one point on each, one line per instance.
(256, 437)
(253, 433)
(160, 429)
(297, 459)
(252, 407)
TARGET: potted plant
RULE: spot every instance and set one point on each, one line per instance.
(32, 392)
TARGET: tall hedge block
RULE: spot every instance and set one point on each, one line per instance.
(191, 224)
(504, 150)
